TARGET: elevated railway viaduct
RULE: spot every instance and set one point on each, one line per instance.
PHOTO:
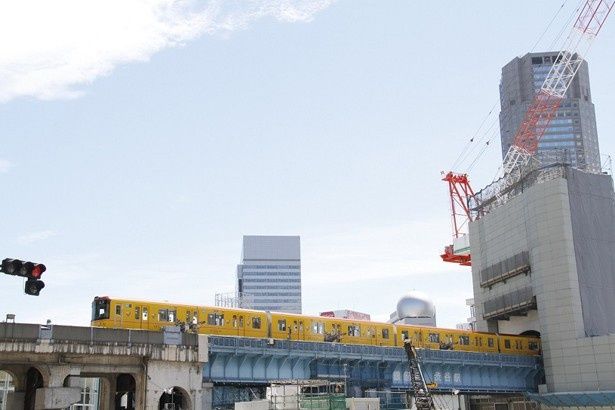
(142, 369)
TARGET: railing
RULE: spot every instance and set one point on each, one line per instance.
(492, 196)
(89, 335)
(312, 348)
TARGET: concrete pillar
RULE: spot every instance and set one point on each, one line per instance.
(108, 390)
(53, 394)
(207, 396)
(140, 387)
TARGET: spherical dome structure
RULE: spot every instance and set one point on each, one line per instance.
(415, 305)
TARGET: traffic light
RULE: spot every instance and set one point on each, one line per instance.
(30, 270)
(33, 287)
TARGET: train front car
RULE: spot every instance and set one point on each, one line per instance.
(101, 312)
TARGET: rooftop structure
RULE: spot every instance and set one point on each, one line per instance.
(414, 308)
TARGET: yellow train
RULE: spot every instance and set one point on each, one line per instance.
(133, 314)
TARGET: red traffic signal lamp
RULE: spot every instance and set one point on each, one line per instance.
(30, 270)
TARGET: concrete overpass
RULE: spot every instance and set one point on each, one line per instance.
(144, 367)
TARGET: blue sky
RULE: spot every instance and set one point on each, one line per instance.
(137, 150)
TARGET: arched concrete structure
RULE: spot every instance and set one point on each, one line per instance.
(125, 391)
(177, 396)
(34, 381)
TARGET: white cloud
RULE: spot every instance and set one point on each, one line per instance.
(5, 165)
(35, 237)
(51, 48)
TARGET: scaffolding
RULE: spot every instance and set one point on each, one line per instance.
(307, 395)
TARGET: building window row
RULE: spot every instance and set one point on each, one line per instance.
(272, 287)
(276, 300)
(264, 280)
(271, 266)
(271, 273)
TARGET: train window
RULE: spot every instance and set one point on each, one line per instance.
(385, 333)
(507, 343)
(234, 321)
(532, 346)
(118, 309)
(256, 322)
(518, 345)
(434, 338)
(301, 326)
(490, 342)
(404, 334)
(137, 312)
(282, 325)
(354, 330)
(240, 321)
(144, 313)
(172, 315)
(163, 315)
(215, 319)
(464, 340)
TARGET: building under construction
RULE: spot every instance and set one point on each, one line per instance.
(543, 263)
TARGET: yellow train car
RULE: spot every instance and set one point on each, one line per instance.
(231, 322)
(134, 314)
(526, 345)
(447, 339)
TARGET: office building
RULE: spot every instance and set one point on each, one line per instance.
(269, 275)
(572, 137)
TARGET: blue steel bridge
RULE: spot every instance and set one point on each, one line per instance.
(239, 367)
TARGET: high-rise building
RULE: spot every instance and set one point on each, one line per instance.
(572, 137)
(269, 275)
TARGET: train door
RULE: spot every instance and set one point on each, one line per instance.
(241, 326)
(117, 316)
(301, 331)
(138, 318)
(145, 317)
(294, 331)
(418, 338)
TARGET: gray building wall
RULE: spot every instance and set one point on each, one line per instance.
(572, 136)
(567, 227)
(270, 273)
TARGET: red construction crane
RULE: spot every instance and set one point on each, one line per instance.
(460, 192)
(542, 110)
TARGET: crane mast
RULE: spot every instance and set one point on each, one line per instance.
(542, 110)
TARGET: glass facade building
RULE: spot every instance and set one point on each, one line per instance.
(572, 137)
(269, 275)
